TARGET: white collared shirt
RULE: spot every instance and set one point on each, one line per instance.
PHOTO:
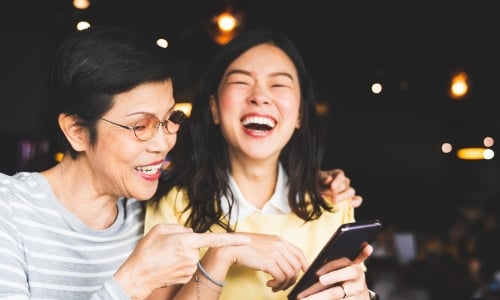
(277, 204)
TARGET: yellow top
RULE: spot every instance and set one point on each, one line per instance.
(243, 283)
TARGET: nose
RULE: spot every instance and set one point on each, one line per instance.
(162, 141)
(259, 95)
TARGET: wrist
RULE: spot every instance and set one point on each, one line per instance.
(134, 286)
(214, 265)
(220, 256)
(207, 275)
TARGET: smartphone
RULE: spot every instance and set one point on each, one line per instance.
(347, 242)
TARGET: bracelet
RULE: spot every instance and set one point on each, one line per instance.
(198, 287)
(214, 281)
(199, 282)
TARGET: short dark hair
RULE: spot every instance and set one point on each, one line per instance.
(93, 65)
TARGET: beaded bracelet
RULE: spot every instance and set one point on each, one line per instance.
(214, 281)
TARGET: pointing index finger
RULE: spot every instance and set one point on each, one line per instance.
(212, 239)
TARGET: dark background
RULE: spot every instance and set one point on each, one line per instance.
(388, 144)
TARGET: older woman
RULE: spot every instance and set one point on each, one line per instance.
(75, 231)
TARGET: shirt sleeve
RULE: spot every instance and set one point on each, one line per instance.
(13, 277)
(111, 290)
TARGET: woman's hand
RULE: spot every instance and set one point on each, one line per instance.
(267, 253)
(337, 187)
(168, 255)
(340, 279)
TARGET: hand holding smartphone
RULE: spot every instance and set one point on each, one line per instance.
(346, 242)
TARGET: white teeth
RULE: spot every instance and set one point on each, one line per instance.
(259, 120)
(149, 170)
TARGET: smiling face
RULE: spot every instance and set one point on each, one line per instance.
(124, 165)
(258, 103)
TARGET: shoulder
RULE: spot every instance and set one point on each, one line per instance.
(20, 186)
(342, 212)
(176, 198)
(23, 182)
(17, 193)
(171, 207)
(346, 210)
(11, 182)
(8, 186)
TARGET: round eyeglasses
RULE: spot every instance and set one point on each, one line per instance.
(146, 127)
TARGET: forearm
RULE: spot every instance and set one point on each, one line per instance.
(199, 288)
(110, 290)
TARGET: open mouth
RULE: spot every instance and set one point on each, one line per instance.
(149, 170)
(258, 123)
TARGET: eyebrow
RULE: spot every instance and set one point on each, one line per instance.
(237, 71)
(144, 113)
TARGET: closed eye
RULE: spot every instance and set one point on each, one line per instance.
(237, 82)
(139, 127)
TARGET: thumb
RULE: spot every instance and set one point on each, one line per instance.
(212, 239)
(364, 254)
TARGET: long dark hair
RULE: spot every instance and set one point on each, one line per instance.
(200, 161)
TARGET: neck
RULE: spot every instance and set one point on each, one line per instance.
(75, 188)
(256, 182)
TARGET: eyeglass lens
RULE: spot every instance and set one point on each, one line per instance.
(145, 128)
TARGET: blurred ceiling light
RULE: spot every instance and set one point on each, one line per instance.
(488, 141)
(81, 4)
(322, 108)
(376, 88)
(161, 42)
(58, 156)
(459, 86)
(446, 147)
(226, 25)
(226, 21)
(475, 153)
(82, 25)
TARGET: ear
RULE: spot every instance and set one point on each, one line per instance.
(214, 109)
(76, 135)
